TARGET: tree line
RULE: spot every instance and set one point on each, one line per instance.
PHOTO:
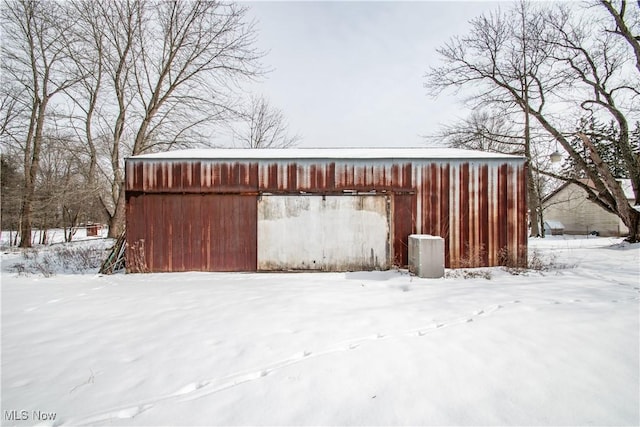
(541, 76)
(86, 84)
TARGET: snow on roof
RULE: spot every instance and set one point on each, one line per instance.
(554, 224)
(625, 183)
(627, 187)
(327, 153)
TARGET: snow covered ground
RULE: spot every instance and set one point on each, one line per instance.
(556, 347)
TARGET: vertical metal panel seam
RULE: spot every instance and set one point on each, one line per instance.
(419, 185)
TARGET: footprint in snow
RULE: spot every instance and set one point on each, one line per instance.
(134, 411)
(491, 310)
(189, 388)
(131, 412)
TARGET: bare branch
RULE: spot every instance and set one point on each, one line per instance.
(264, 127)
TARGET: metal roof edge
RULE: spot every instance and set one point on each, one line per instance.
(327, 154)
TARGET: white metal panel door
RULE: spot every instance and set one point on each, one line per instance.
(329, 233)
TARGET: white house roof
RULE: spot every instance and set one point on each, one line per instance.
(627, 188)
(327, 153)
(554, 224)
(625, 183)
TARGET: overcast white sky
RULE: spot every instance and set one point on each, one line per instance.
(351, 74)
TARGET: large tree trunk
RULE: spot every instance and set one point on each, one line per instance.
(534, 205)
(25, 224)
(31, 173)
(634, 226)
(117, 220)
(532, 196)
(623, 208)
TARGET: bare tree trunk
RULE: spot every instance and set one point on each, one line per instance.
(35, 49)
(559, 53)
(624, 210)
(30, 177)
(534, 208)
(27, 195)
(532, 193)
(634, 226)
(25, 224)
(542, 224)
(117, 220)
(71, 219)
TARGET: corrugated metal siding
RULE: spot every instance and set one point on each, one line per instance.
(479, 207)
(191, 232)
(311, 176)
(166, 176)
(404, 223)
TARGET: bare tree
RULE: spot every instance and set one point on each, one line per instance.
(596, 66)
(106, 58)
(62, 199)
(35, 53)
(501, 131)
(264, 126)
(570, 62)
(13, 110)
(162, 74)
(485, 130)
(501, 59)
(627, 24)
(126, 77)
(11, 181)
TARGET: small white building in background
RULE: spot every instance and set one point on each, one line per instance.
(570, 206)
(553, 228)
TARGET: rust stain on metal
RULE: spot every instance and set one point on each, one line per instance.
(191, 215)
(333, 177)
(501, 220)
(464, 218)
(523, 232)
(292, 176)
(443, 195)
(483, 213)
(191, 232)
(160, 176)
(404, 224)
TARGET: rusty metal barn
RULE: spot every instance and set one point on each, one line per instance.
(321, 209)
